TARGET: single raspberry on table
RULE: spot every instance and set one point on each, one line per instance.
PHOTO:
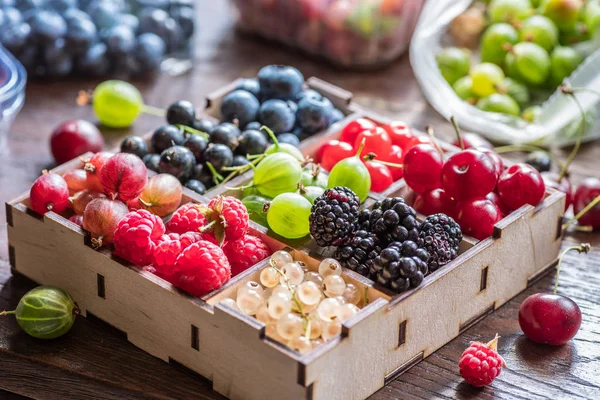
(187, 218)
(136, 236)
(480, 363)
(227, 219)
(201, 268)
(245, 252)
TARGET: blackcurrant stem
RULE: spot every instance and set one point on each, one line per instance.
(193, 131)
(582, 248)
(527, 148)
(429, 130)
(3, 313)
(457, 130)
(158, 112)
(217, 178)
(565, 168)
(582, 212)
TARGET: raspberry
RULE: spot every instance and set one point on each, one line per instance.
(245, 252)
(201, 268)
(189, 217)
(228, 218)
(136, 236)
(480, 363)
(168, 248)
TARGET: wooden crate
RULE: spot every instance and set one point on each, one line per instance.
(385, 338)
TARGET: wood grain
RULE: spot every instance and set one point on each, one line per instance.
(95, 362)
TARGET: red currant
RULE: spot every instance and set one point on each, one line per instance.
(587, 191)
(334, 153)
(399, 132)
(473, 140)
(351, 131)
(49, 193)
(376, 140)
(381, 176)
(564, 185)
(549, 318)
(521, 184)
(469, 174)
(422, 168)
(434, 202)
(477, 217)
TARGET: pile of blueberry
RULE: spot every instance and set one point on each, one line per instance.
(95, 37)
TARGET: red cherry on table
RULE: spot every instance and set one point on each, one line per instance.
(422, 168)
(564, 185)
(549, 318)
(381, 176)
(477, 217)
(587, 191)
(399, 132)
(521, 184)
(377, 141)
(473, 140)
(351, 131)
(434, 202)
(469, 174)
(396, 156)
(73, 138)
(334, 152)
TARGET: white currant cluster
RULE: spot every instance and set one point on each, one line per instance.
(300, 308)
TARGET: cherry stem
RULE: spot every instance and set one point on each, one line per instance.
(565, 169)
(373, 157)
(528, 148)
(3, 313)
(429, 130)
(582, 248)
(361, 147)
(193, 131)
(457, 130)
(582, 212)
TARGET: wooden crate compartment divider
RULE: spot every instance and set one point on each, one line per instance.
(387, 336)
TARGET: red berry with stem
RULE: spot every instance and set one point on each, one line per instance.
(74, 138)
(400, 133)
(376, 140)
(76, 180)
(396, 157)
(435, 201)
(551, 180)
(480, 363)
(227, 218)
(521, 184)
(586, 196)
(49, 193)
(101, 218)
(351, 131)
(469, 174)
(201, 268)
(477, 217)
(82, 199)
(93, 167)
(550, 318)
(189, 217)
(496, 159)
(168, 248)
(162, 194)
(473, 140)
(124, 176)
(381, 176)
(422, 168)
(417, 139)
(335, 152)
(245, 252)
(136, 236)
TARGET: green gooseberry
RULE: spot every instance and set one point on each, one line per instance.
(499, 103)
(564, 60)
(496, 41)
(539, 30)
(529, 63)
(454, 63)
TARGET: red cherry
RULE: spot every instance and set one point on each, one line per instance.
(434, 202)
(73, 138)
(376, 140)
(381, 176)
(399, 132)
(477, 217)
(496, 159)
(49, 193)
(469, 174)
(351, 131)
(549, 318)
(473, 140)
(422, 168)
(551, 181)
(396, 157)
(417, 139)
(335, 152)
(494, 198)
(521, 184)
(587, 191)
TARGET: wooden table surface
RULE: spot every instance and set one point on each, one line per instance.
(95, 362)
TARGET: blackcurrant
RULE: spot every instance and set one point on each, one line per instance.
(219, 155)
(181, 112)
(238, 161)
(166, 136)
(203, 125)
(134, 145)
(196, 186)
(197, 145)
(225, 133)
(539, 160)
(151, 161)
(177, 161)
(251, 142)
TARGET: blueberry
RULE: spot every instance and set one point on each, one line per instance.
(81, 33)
(75, 14)
(15, 37)
(152, 161)
(61, 5)
(53, 52)
(202, 173)
(47, 26)
(24, 5)
(177, 161)
(314, 115)
(134, 145)
(249, 85)
(277, 115)
(254, 125)
(12, 16)
(251, 142)
(153, 20)
(185, 18)
(125, 65)
(7, 3)
(196, 186)
(238, 161)
(203, 125)
(219, 155)
(149, 51)
(337, 115)
(240, 105)
(104, 13)
(173, 35)
(279, 82)
(119, 40)
(95, 61)
(166, 136)
(129, 20)
(225, 133)
(28, 56)
(309, 93)
(288, 138)
(197, 145)
(61, 67)
(181, 112)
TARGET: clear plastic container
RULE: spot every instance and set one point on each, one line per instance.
(350, 33)
(12, 92)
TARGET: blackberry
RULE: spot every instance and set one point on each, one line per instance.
(333, 216)
(359, 252)
(400, 266)
(363, 219)
(441, 237)
(394, 221)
